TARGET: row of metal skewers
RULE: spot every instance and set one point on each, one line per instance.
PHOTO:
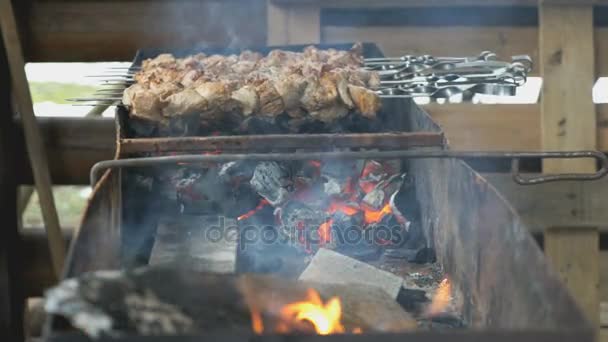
(400, 77)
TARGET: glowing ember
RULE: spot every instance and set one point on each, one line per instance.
(256, 322)
(349, 210)
(315, 163)
(325, 318)
(250, 213)
(374, 216)
(325, 232)
(442, 298)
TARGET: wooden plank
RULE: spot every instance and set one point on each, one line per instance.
(113, 30)
(33, 140)
(575, 256)
(573, 204)
(568, 121)
(442, 41)
(489, 127)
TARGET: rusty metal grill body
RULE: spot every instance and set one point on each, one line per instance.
(509, 291)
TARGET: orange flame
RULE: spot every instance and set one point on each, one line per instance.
(325, 318)
(250, 213)
(343, 207)
(256, 322)
(441, 299)
(325, 232)
(374, 216)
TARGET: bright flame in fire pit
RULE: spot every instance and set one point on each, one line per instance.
(442, 298)
(325, 232)
(374, 216)
(250, 213)
(324, 317)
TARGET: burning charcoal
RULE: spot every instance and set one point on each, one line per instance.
(334, 187)
(372, 174)
(393, 184)
(271, 180)
(235, 171)
(349, 236)
(339, 176)
(374, 199)
(301, 223)
(412, 300)
(341, 168)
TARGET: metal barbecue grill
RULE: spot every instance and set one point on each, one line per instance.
(480, 241)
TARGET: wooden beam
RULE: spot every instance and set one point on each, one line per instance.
(11, 282)
(33, 140)
(294, 24)
(277, 18)
(489, 127)
(572, 204)
(113, 30)
(567, 65)
(575, 254)
(568, 122)
(76, 144)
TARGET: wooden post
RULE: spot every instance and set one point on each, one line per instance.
(11, 285)
(33, 139)
(293, 23)
(568, 122)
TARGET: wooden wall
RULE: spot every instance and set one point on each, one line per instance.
(112, 30)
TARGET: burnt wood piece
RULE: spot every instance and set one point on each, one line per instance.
(399, 140)
(11, 285)
(329, 267)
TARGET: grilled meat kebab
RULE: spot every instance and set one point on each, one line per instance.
(324, 84)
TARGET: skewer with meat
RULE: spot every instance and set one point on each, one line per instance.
(323, 84)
